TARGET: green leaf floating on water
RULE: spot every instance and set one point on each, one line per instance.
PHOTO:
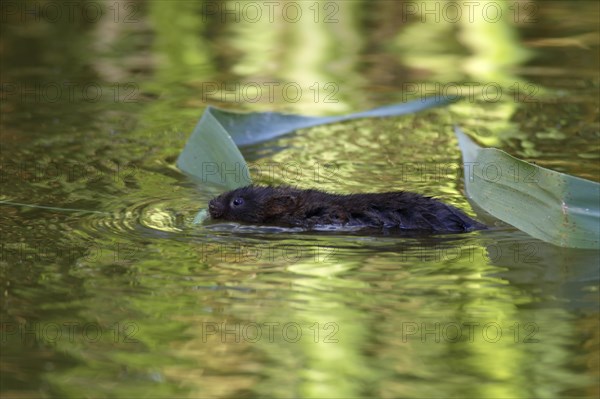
(211, 154)
(554, 207)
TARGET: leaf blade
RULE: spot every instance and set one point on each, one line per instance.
(554, 207)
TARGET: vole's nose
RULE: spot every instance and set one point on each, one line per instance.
(215, 209)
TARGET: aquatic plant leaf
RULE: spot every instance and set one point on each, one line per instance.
(211, 154)
(554, 207)
(254, 127)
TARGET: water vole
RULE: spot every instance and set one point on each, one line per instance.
(288, 206)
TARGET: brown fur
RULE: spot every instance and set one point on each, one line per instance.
(288, 206)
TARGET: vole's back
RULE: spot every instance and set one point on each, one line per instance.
(403, 210)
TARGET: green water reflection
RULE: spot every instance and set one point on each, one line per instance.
(135, 301)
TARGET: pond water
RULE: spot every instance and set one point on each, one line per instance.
(110, 290)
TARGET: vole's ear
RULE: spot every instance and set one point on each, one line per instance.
(282, 203)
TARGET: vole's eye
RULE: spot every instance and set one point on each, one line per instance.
(239, 201)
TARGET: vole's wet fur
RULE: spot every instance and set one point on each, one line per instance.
(288, 206)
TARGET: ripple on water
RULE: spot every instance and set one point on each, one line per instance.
(147, 217)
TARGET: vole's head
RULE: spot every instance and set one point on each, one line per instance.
(254, 204)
